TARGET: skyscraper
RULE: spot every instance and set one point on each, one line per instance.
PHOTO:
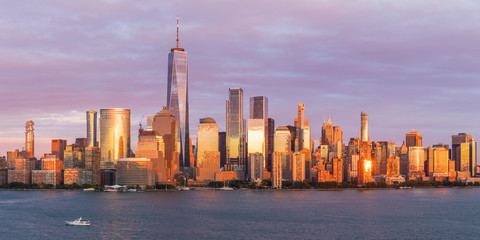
(456, 141)
(283, 154)
(208, 156)
(114, 133)
(303, 134)
(257, 136)
(58, 147)
(413, 139)
(235, 130)
(258, 107)
(177, 99)
(29, 139)
(364, 130)
(91, 128)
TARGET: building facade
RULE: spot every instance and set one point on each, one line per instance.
(114, 133)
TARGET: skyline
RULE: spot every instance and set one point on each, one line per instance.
(54, 74)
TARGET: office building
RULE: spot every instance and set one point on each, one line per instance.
(135, 171)
(364, 127)
(91, 128)
(29, 139)
(413, 139)
(208, 156)
(114, 133)
(235, 140)
(58, 147)
(177, 99)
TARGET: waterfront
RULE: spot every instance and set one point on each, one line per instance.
(445, 213)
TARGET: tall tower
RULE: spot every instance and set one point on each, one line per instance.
(91, 128)
(258, 107)
(177, 99)
(114, 133)
(235, 139)
(364, 130)
(29, 139)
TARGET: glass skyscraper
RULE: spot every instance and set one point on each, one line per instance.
(235, 140)
(114, 133)
(177, 99)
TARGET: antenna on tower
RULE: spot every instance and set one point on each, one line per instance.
(177, 33)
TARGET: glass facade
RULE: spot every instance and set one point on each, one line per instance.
(235, 140)
(207, 138)
(177, 100)
(114, 133)
(258, 107)
(91, 128)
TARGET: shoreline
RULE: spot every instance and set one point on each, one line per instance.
(257, 190)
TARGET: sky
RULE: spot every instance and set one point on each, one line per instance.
(408, 64)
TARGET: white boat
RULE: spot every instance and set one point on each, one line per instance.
(78, 222)
(132, 190)
(183, 189)
(225, 188)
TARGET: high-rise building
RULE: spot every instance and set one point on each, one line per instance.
(257, 137)
(58, 147)
(364, 127)
(91, 128)
(81, 142)
(393, 166)
(283, 152)
(416, 162)
(161, 144)
(114, 133)
(440, 163)
(256, 147)
(303, 134)
(208, 156)
(269, 138)
(467, 159)
(413, 139)
(177, 99)
(235, 140)
(457, 140)
(298, 166)
(222, 148)
(29, 139)
(258, 107)
(403, 154)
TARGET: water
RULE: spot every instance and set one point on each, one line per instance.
(349, 214)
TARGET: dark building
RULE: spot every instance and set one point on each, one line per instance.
(222, 148)
(270, 135)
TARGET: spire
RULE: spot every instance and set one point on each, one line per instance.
(329, 121)
(177, 33)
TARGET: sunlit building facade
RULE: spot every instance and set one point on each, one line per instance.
(364, 127)
(235, 139)
(58, 147)
(283, 152)
(177, 99)
(208, 156)
(29, 139)
(413, 139)
(416, 162)
(298, 168)
(91, 128)
(135, 171)
(114, 133)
